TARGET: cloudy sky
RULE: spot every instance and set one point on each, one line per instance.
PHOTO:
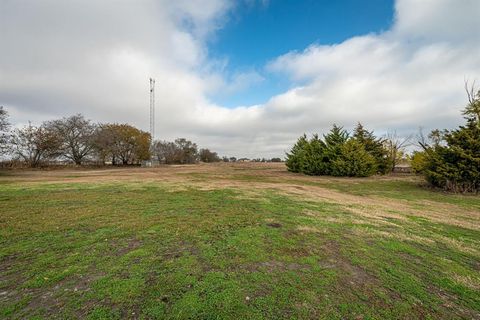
(243, 77)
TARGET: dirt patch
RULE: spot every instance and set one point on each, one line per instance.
(450, 302)
(349, 274)
(53, 300)
(355, 281)
(275, 225)
(132, 244)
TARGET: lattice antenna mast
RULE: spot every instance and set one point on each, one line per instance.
(152, 108)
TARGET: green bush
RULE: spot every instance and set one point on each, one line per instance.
(339, 154)
(296, 158)
(419, 162)
(452, 162)
(354, 161)
(375, 147)
(315, 161)
(455, 164)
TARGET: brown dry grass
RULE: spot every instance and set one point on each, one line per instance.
(252, 177)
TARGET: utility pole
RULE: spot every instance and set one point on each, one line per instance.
(152, 109)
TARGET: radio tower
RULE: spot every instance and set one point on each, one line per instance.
(152, 108)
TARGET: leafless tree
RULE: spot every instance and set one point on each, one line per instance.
(182, 151)
(473, 108)
(396, 146)
(34, 144)
(76, 134)
(4, 127)
(165, 152)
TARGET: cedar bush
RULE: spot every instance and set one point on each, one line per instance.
(354, 161)
(315, 160)
(296, 158)
(452, 162)
(376, 147)
(454, 165)
(418, 161)
(339, 154)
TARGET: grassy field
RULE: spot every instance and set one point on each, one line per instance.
(239, 241)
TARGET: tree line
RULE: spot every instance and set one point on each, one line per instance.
(78, 140)
(182, 151)
(449, 159)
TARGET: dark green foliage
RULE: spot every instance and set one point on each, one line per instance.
(336, 137)
(375, 147)
(339, 154)
(316, 161)
(454, 165)
(354, 161)
(296, 158)
(334, 141)
(452, 161)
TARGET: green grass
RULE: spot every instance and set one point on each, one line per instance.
(143, 251)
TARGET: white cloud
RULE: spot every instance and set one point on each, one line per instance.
(409, 76)
(62, 57)
(438, 20)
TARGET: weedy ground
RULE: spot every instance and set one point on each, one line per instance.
(234, 241)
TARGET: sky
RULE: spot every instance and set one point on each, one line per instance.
(277, 27)
(244, 78)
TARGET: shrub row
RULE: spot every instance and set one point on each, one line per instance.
(340, 154)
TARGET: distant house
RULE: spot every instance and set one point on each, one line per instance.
(244, 160)
(150, 163)
(402, 168)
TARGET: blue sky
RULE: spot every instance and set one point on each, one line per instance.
(257, 32)
(394, 65)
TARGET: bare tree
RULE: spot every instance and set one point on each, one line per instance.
(434, 138)
(189, 151)
(76, 134)
(165, 152)
(396, 146)
(422, 141)
(4, 127)
(206, 155)
(34, 144)
(182, 151)
(473, 108)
